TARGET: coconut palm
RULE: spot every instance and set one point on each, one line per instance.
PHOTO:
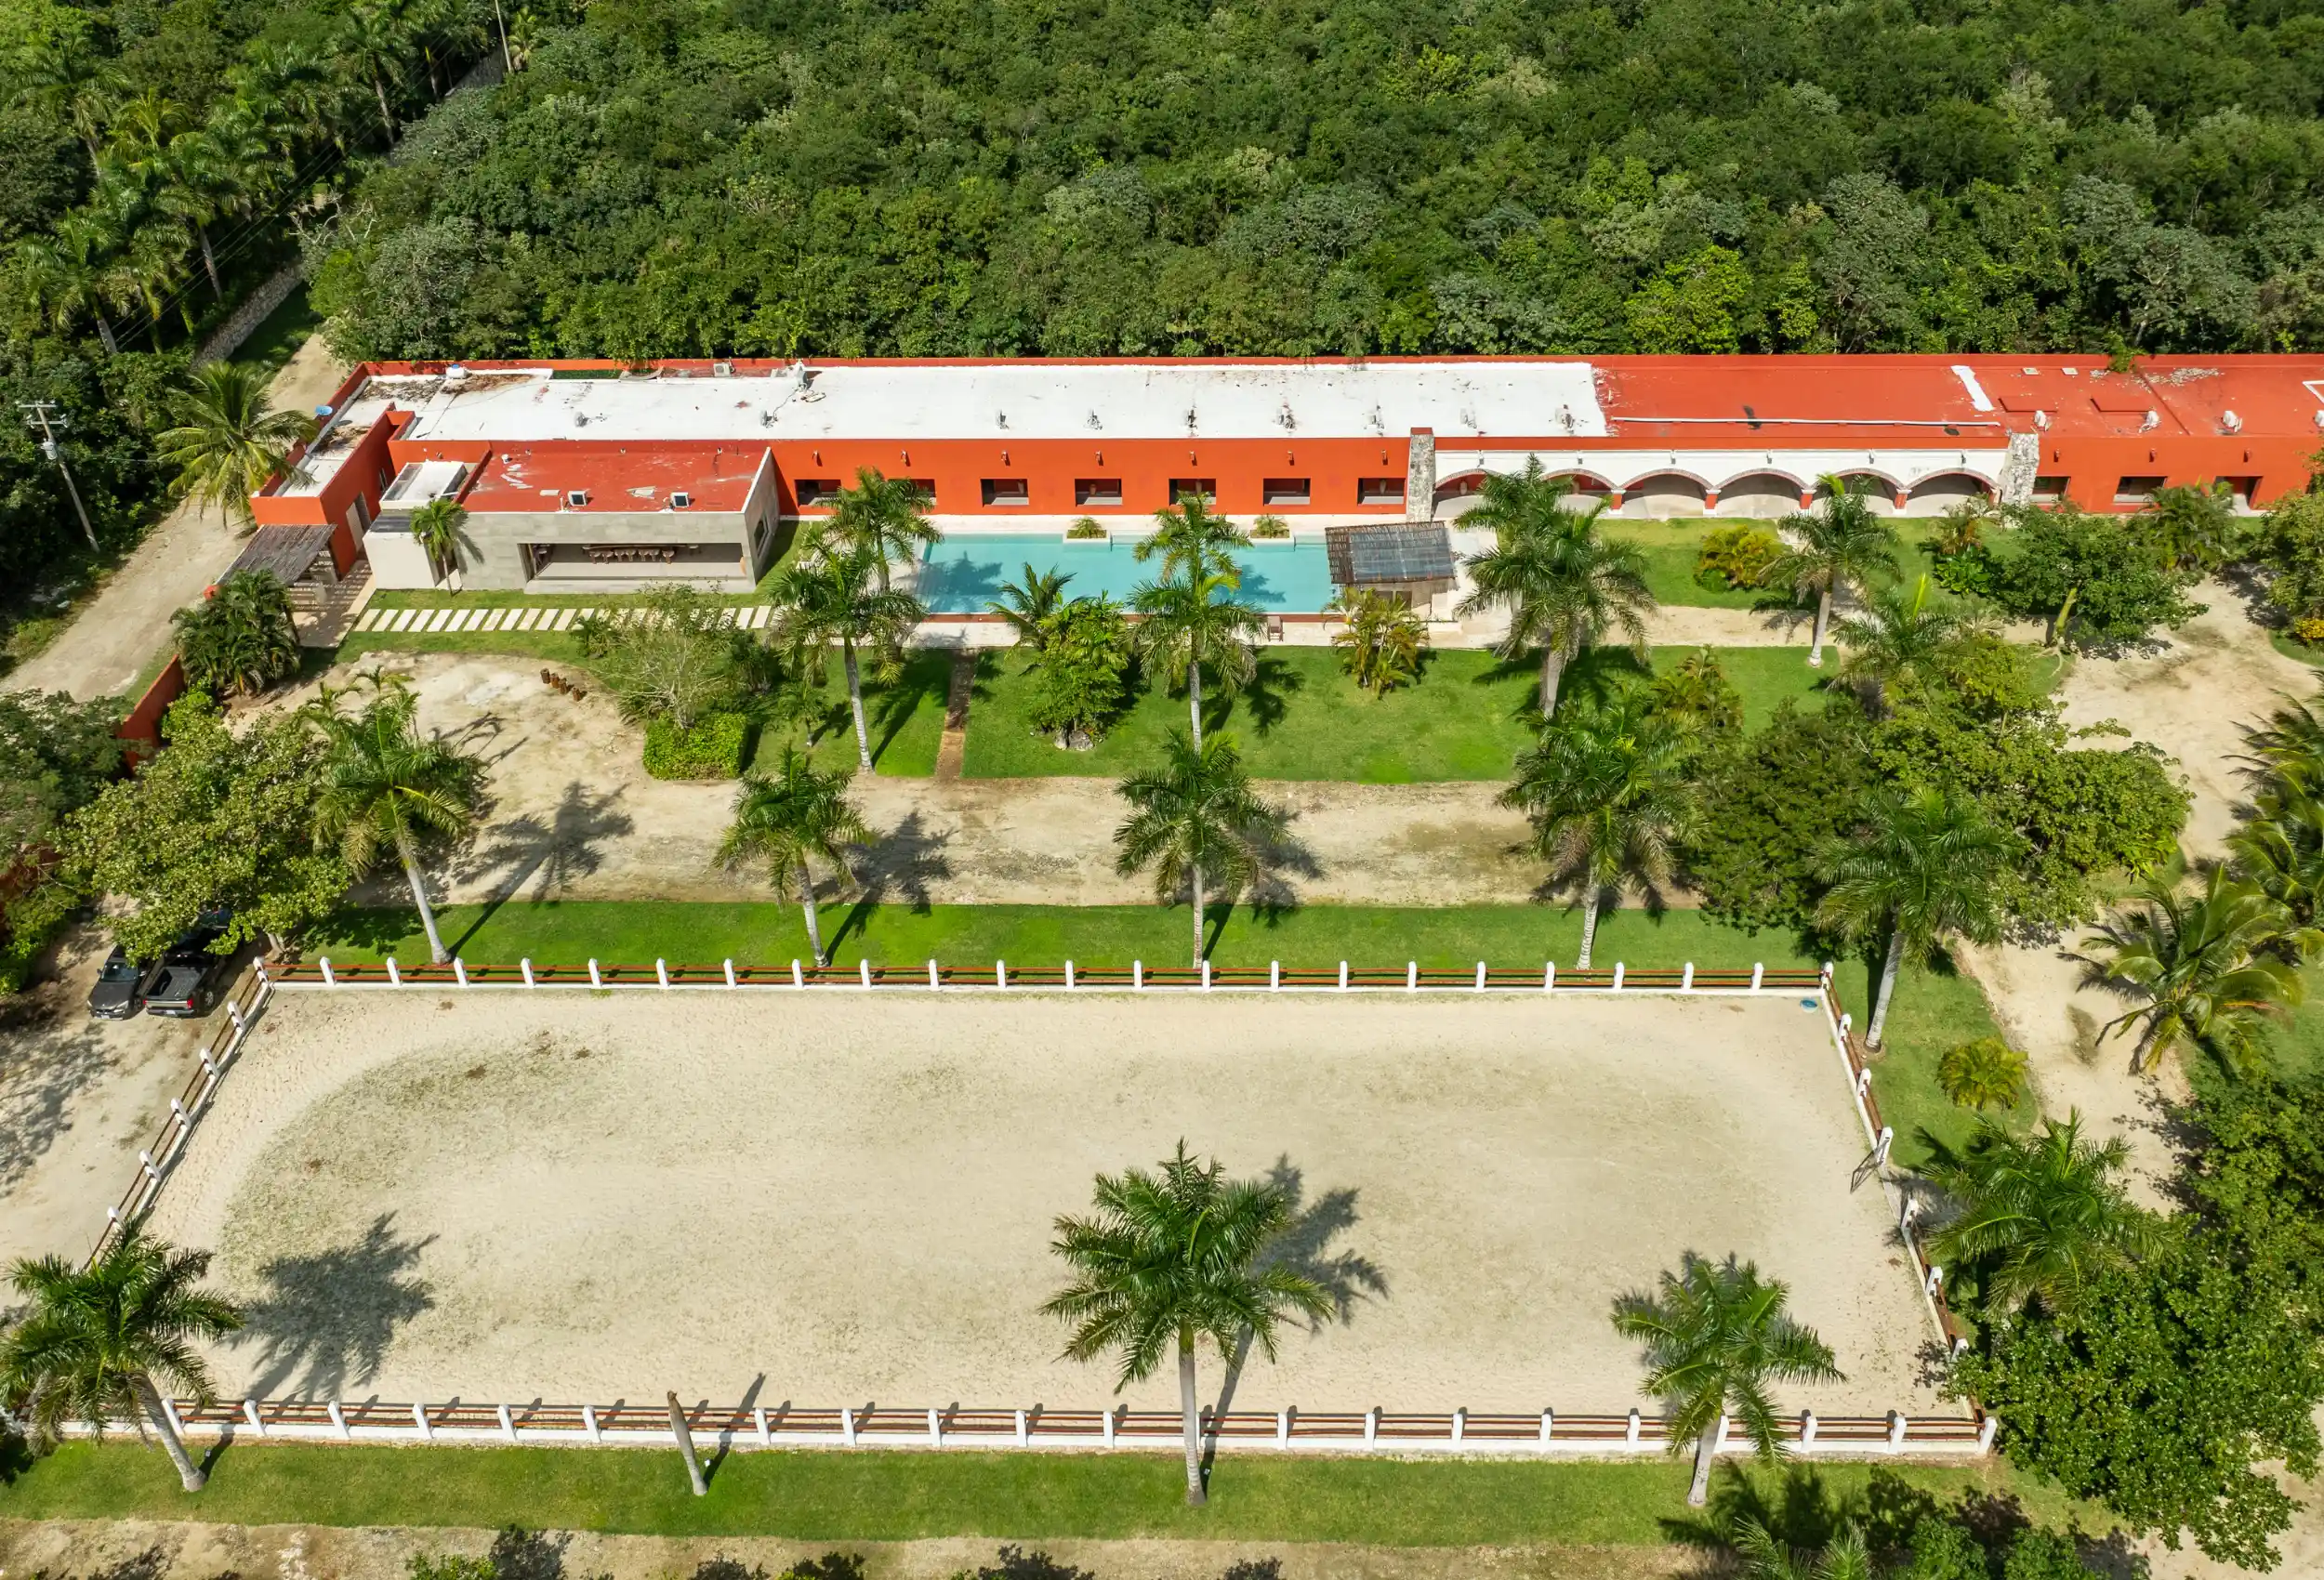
(1190, 539)
(2281, 847)
(1027, 605)
(2037, 1215)
(1715, 1336)
(1842, 547)
(1921, 866)
(240, 637)
(1609, 793)
(2205, 965)
(1194, 621)
(2193, 527)
(101, 1344)
(2289, 743)
(1196, 822)
(1982, 1072)
(372, 43)
(201, 177)
(1563, 586)
(1847, 1556)
(385, 786)
(226, 446)
(841, 596)
(882, 517)
(1901, 638)
(66, 272)
(1171, 1259)
(1381, 642)
(789, 821)
(436, 527)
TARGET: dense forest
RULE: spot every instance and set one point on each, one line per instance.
(1289, 176)
(157, 159)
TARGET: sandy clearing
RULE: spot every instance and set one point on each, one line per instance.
(575, 817)
(505, 1197)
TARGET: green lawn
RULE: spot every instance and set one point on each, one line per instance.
(1935, 1009)
(871, 1496)
(1468, 717)
(1669, 549)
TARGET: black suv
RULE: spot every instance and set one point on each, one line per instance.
(185, 983)
(120, 990)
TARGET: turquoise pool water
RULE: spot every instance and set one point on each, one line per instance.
(961, 575)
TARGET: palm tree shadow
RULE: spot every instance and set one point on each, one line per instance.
(923, 675)
(900, 866)
(326, 1320)
(1268, 696)
(1305, 1247)
(551, 853)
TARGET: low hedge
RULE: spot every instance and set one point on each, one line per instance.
(714, 748)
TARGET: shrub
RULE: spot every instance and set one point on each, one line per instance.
(28, 925)
(239, 637)
(1699, 689)
(1734, 557)
(2291, 553)
(1080, 671)
(1086, 527)
(679, 660)
(1986, 1072)
(2095, 579)
(1381, 643)
(713, 748)
(1271, 527)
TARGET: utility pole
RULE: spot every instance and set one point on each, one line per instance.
(507, 59)
(49, 418)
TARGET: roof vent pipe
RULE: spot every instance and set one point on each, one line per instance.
(2230, 422)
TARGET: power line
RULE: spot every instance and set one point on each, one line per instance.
(50, 419)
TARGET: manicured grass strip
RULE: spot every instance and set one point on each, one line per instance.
(1935, 1010)
(1467, 719)
(1669, 549)
(887, 1497)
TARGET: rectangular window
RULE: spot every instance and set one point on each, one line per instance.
(817, 490)
(2243, 489)
(1205, 488)
(2135, 491)
(1283, 491)
(925, 487)
(1097, 490)
(2049, 491)
(1379, 491)
(1005, 490)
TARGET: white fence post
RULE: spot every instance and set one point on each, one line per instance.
(1936, 1278)
(588, 1424)
(862, 973)
(1549, 976)
(250, 1413)
(1807, 1428)
(1846, 1020)
(328, 980)
(1629, 1436)
(1617, 976)
(1137, 974)
(507, 1424)
(419, 1419)
(459, 970)
(1025, 1433)
(730, 973)
(338, 1417)
(1986, 1429)
(758, 1421)
(1411, 976)
(661, 971)
(1205, 975)
(1879, 1147)
(1282, 1427)
(1069, 976)
(847, 1426)
(1758, 974)
(799, 977)
(1371, 1426)
(935, 979)
(1549, 1424)
(935, 1428)
(1275, 976)
(1000, 973)
(1106, 1421)
(1686, 977)
(1480, 976)
(525, 965)
(1461, 1423)
(395, 973)
(1895, 1431)
(1343, 976)
(597, 977)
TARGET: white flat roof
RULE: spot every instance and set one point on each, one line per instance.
(1002, 401)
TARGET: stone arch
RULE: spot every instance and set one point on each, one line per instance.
(1456, 495)
(1879, 489)
(1660, 494)
(1589, 487)
(1760, 495)
(1935, 495)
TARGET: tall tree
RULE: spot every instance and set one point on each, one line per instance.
(1565, 586)
(387, 787)
(1610, 798)
(1170, 1258)
(2193, 528)
(372, 41)
(1922, 867)
(1026, 606)
(1193, 621)
(438, 528)
(2036, 1215)
(2208, 966)
(882, 517)
(226, 444)
(789, 820)
(239, 637)
(1902, 639)
(1715, 1335)
(1192, 540)
(1196, 822)
(100, 1344)
(1840, 548)
(841, 597)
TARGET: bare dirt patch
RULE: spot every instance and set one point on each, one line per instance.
(852, 1198)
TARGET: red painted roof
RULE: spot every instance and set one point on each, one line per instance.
(616, 477)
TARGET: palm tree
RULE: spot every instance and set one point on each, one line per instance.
(66, 271)
(880, 516)
(2205, 965)
(2195, 528)
(1610, 798)
(1381, 642)
(2038, 1215)
(1171, 1259)
(1847, 1556)
(1923, 866)
(1563, 586)
(200, 178)
(226, 446)
(436, 527)
(372, 41)
(1026, 607)
(239, 637)
(830, 598)
(2289, 743)
(1190, 539)
(1715, 1336)
(1195, 621)
(787, 818)
(2281, 847)
(1196, 823)
(1842, 546)
(100, 1345)
(384, 786)
(1901, 638)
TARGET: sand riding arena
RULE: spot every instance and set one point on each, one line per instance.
(844, 1199)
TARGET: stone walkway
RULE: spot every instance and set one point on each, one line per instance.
(531, 617)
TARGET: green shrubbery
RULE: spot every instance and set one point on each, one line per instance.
(1734, 558)
(713, 747)
(1080, 666)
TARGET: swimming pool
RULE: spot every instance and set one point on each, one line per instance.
(961, 575)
